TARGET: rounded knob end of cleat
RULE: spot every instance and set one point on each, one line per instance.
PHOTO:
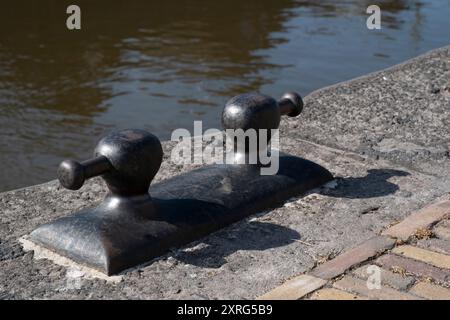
(71, 174)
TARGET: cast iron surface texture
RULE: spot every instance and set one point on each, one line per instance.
(256, 111)
(131, 227)
(123, 232)
(127, 160)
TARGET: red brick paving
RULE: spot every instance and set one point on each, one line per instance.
(400, 277)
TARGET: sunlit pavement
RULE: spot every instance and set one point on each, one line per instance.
(409, 261)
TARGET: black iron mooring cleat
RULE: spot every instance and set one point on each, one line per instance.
(132, 225)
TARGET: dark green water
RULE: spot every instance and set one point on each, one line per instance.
(160, 65)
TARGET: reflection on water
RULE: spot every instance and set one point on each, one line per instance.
(161, 65)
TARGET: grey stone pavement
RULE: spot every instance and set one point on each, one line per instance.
(384, 136)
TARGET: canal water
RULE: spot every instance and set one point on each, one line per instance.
(160, 65)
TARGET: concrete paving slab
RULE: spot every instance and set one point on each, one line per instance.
(401, 114)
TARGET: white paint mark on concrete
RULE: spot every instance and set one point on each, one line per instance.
(74, 270)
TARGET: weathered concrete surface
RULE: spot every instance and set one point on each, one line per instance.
(381, 185)
(401, 114)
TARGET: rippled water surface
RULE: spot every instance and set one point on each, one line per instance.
(159, 65)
